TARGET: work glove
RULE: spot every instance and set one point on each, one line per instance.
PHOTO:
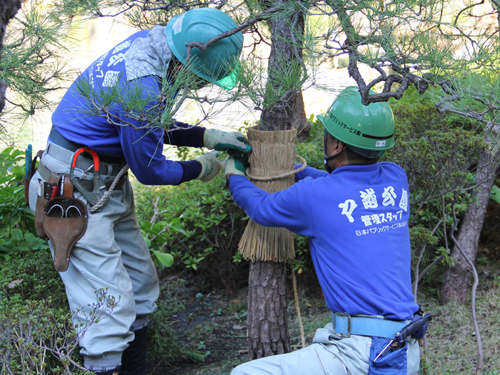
(210, 166)
(235, 164)
(224, 141)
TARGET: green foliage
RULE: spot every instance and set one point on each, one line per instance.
(29, 274)
(312, 148)
(165, 342)
(199, 225)
(32, 63)
(495, 194)
(37, 339)
(435, 150)
(438, 152)
(15, 216)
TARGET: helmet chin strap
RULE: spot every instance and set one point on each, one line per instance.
(328, 158)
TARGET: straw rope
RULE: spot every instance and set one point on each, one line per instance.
(283, 175)
(297, 307)
(105, 197)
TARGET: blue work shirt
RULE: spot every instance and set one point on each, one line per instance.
(357, 221)
(142, 148)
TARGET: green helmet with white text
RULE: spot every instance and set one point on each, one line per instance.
(219, 63)
(366, 130)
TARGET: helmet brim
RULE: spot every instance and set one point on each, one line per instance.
(228, 82)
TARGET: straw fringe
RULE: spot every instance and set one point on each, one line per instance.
(271, 169)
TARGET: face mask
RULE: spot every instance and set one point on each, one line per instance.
(326, 158)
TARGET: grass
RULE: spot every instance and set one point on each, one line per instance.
(450, 344)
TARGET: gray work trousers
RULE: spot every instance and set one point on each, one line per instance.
(328, 355)
(112, 255)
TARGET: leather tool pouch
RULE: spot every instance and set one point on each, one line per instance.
(41, 203)
(64, 222)
(60, 217)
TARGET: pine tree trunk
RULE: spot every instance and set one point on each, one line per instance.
(267, 310)
(458, 278)
(267, 302)
(8, 9)
(299, 119)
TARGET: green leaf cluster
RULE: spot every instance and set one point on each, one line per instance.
(32, 64)
(438, 153)
(16, 219)
(199, 225)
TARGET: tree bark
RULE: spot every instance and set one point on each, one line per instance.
(267, 313)
(8, 9)
(283, 55)
(299, 119)
(457, 279)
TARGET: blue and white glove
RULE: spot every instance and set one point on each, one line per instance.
(210, 166)
(224, 141)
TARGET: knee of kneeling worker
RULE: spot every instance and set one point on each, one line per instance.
(240, 370)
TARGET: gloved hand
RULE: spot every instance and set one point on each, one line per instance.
(236, 163)
(210, 166)
(223, 141)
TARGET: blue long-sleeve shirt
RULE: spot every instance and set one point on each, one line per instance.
(357, 221)
(143, 148)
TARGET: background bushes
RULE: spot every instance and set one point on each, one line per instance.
(198, 226)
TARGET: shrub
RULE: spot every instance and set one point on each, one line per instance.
(199, 225)
(438, 152)
(15, 215)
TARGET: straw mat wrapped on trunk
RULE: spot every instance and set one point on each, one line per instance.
(271, 169)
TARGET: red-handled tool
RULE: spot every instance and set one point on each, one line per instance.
(99, 186)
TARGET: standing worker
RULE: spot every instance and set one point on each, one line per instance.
(356, 217)
(112, 254)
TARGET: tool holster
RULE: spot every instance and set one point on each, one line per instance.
(65, 222)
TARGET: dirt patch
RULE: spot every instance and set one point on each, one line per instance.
(214, 324)
(211, 324)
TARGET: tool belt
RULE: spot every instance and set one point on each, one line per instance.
(59, 216)
(345, 325)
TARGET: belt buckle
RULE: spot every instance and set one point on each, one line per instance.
(339, 314)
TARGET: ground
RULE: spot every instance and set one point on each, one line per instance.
(214, 324)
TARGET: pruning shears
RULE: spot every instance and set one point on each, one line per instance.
(95, 195)
(398, 340)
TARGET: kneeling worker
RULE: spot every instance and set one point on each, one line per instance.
(356, 217)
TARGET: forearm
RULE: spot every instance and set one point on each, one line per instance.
(182, 134)
(281, 209)
(309, 172)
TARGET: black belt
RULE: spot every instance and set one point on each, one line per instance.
(58, 139)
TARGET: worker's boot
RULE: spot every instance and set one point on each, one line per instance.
(134, 357)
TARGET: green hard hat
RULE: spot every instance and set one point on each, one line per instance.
(219, 63)
(362, 127)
